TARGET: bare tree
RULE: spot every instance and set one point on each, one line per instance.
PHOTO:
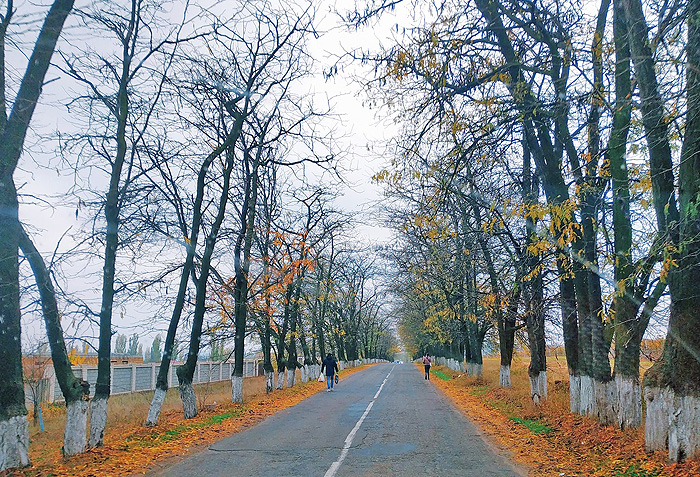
(76, 392)
(124, 88)
(13, 130)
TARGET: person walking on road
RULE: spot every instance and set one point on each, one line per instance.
(426, 364)
(331, 367)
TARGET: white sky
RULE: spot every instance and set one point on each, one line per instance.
(363, 133)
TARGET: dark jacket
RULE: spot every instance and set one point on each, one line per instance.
(330, 364)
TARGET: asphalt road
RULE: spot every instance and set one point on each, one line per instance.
(382, 421)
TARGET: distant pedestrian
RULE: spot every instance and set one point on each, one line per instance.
(331, 367)
(426, 364)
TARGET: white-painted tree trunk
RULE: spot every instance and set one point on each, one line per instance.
(575, 394)
(658, 403)
(237, 389)
(14, 443)
(75, 433)
(156, 405)
(629, 402)
(674, 421)
(504, 377)
(98, 422)
(305, 373)
(269, 381)
(587, 396)
(189, 400)
(538, 388)
(606, 402)
(281, 378)
(291, 377)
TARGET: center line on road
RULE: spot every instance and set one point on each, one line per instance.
(348, 440)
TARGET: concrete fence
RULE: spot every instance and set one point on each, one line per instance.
(136, 377)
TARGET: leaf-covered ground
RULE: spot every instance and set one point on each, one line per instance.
(131, 448)
(548, 439)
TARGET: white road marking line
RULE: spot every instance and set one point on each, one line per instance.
(348, 440)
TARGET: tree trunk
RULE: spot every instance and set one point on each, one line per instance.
(269, 380)
(281, 374)
(75, 434)
(672, 385)
(267, 357)
(188, 398)
(291, 315)
(187, 271)
(98, 421)
(75, 391)
(627, 328)
(237, 389)
(14, 442)
(14, 437)
(537, 370)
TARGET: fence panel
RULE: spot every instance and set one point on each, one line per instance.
(121, 379)
(143, 378)
(92, 379)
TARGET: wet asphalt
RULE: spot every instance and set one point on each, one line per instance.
(383, 421)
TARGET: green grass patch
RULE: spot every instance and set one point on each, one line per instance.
(175, 432)
(536, 427)
(219, 418)
(479, 390)
(507, 408)
(442, 375)
(633, 470)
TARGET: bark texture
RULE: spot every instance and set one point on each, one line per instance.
(280, 379)
(291, 377)
(75, 435)
(269, 381)
(14, 442)
(574, 393)
(156, 406)
(673, 421)
(98, 421)
(504, 377)
(538, 387)
(629, 401)
(189, 400)
(237, 389)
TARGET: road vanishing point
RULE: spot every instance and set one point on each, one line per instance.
(386, 420)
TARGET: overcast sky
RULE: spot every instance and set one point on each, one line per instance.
(364, 134)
